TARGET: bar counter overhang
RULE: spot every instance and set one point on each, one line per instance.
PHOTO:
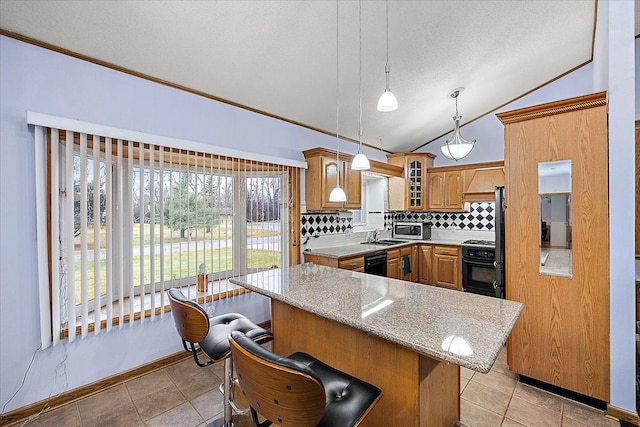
(406, 338)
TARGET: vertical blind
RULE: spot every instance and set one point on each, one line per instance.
(127, 220)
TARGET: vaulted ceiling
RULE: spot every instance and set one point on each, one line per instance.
(279, 57)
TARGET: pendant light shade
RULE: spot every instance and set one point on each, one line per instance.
(457, 147)
(360, 161)
(387, 101)
(337, 194)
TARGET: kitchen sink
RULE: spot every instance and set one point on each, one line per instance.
(385, 242)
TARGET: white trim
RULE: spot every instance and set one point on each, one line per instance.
(46, 120)
(41, 236)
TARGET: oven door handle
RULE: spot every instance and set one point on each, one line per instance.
(477, 263)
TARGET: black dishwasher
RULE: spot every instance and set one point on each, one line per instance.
(376, 263)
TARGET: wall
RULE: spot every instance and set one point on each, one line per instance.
(43, 81)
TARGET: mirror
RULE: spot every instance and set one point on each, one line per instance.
(555, 218)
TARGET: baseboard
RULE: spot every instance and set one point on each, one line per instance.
(21, 414)
(623, 414)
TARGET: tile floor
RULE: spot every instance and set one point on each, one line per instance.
(186, 395)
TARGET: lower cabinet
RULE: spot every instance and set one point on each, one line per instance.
(441, 266)
(354, 263)
(396, 268)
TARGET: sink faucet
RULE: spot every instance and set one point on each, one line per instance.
(376, 234)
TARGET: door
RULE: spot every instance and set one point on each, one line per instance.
(328, 181)
(446, 270)
(453, 189)
(426, 264)
(352, 185)
(436, 190)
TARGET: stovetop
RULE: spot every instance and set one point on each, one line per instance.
(479, 242)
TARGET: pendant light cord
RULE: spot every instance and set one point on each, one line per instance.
(337, 93)
(387, 68)
(360, 79)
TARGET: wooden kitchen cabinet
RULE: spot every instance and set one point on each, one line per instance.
(411, 191)
(395, 263)
(321, 177)
(426, 264)
(352, 263)
(445, 190)
(446, 269)
(562, 335)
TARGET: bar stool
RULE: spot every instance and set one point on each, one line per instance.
(212, 336)
(298, 390)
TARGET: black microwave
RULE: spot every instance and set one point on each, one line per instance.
(411, 230)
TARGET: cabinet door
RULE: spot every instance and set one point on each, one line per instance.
(446, 270)
(352, 185)
(329, 181)
(436, 190)
(453, 190)
(393, 268)
(426, 264)
(407, 251)
(416, 183)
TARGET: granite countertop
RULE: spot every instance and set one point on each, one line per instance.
(356, 249)
(466, 329)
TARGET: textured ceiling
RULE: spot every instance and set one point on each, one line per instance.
(279, 57)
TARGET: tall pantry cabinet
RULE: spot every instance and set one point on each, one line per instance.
(562, 335)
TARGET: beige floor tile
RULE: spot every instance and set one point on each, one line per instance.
(208, 404)
(148, 384)
(538, 397)
(183, 415)
(67, 416)
(510, 423)
(586, 415)
(486, 397)
(463, 383)
(466, 372)
(124, 414)
(497, 381)
(532, 415)
(473, 415)
(161, 401)
(104, 402)
(195, 381)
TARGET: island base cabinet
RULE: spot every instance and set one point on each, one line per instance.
(416, 390)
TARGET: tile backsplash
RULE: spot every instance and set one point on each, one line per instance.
(481, 217)
(325, 223)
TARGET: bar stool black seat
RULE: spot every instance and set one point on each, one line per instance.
(298, 390)
(212, 336)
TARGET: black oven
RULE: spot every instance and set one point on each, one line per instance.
(479, 273)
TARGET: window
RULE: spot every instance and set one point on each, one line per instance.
(129, 220)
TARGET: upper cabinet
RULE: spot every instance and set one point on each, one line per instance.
(322, 177)
(411, 191)
(445, 190)
(451, 186)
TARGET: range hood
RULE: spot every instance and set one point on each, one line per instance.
(481, 188)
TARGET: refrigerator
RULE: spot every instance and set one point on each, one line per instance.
(499, 263)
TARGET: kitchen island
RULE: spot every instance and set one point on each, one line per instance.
(405, 338)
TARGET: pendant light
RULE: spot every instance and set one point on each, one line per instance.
(360, 161)
(457, 147)
(387, 101)
(337, 194)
